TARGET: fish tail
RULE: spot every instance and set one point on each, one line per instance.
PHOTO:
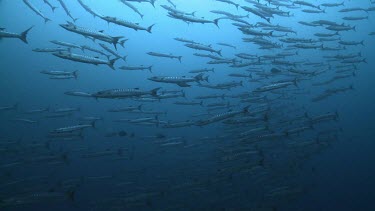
(150, 68)
(216, 22)
(150, 28)
(153, 2)
(75, 74)
(93, 124)
(23, 36)
(116, 41)
(112, 62)
(71, 195)
(46, 20)
(295, 82)
(53, 9)
(179, 58)
(219, 52)
(154, 92)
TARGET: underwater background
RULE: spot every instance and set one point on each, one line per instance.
(285, 121)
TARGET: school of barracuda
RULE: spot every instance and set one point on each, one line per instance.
(236, 148)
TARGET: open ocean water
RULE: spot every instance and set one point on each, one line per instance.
(223, 105)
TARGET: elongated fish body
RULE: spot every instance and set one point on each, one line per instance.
(178, 124)
(179, 80)
(229, 2)
(164, 55)
(124, 93)
(62, 77)
(85, 59)
(149, 68)
(174, 10)
(192, 19)
(67, 10)
(85, 47)
(191, 103)
(209, 56)
(353, 9)
(221, 117)
(37, 11)
(70, 129)
(230, 15)
(256, 12)
(22, 36)
(341, 28)
(152, 2)
(66, 44)
(227, 45)
(50, 5)
(78, 94)
(7, 108)
(59, 73)
(127, 24)
(203, 48)
(89, 10)
(92, 33)
(274, 86)
(24, 120)
(202, 70)
(303, 3)
(355, 18)
(50, 50)
(112, 52)
(332, 4)
(127, 109)
(132, 7)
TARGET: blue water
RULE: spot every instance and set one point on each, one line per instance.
(203, 170)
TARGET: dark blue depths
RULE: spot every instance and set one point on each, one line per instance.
(270, 107)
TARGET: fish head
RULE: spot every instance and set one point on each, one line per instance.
(67, 26)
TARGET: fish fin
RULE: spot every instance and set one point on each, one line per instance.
(140, 107)
(23, 36)
(46, 20)
(75, 74)
(116, 41)
(71, 195)
(219, 52)
(112, 62)
(216, 22)
(153, 2)
(150, 28)
(154, 92)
